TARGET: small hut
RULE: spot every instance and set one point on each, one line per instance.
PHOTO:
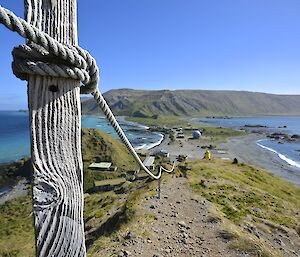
(149, 162)
(102, 166)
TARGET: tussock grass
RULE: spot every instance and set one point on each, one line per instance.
(243, 193)
(129, 222)
(247, 243)
(96, 206)
(16, 221)
(16, 228)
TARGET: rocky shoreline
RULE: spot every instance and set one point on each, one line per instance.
(14, 179)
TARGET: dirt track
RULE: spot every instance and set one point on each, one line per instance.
(182, 226)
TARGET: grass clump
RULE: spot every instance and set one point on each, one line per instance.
(241, 190)
(246, 243)
(243, 194)
(96, 206)
(16, 223)
(127, 222)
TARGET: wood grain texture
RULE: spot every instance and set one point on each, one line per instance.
(55, 127)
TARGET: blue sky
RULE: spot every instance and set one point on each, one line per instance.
(249, 45)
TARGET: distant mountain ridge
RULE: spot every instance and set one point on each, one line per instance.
(145, 103)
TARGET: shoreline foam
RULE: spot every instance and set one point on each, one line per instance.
(281, 156)
(151, 145)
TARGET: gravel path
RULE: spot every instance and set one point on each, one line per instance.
(181, 227)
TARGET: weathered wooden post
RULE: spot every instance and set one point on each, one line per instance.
(158, 189)
(55, 123)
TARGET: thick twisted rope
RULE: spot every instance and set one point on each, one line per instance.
(110, 116)
(45, 56)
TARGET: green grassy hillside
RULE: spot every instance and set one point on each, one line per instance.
(258, 209)
(98, 146)
(142, 103)
(259, 212)
(16, 223)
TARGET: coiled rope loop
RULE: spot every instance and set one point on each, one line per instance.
(45, 56)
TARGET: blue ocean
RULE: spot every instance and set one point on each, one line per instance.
(15, 142)
(289, 153)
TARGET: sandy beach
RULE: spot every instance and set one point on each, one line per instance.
(246, 150)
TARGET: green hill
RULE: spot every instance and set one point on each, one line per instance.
(98, 146)
(17, 234)
(142, 103)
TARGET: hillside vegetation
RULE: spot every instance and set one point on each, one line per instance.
(16, 221)
(260, 211)
(142, 103)
(98, 146)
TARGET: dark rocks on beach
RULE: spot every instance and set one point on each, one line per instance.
(256, 129)
(295, 136)
(284, 137)
(255, 126)
(219, 117)
(277, 135)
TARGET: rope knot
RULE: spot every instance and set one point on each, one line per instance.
(45, 56)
